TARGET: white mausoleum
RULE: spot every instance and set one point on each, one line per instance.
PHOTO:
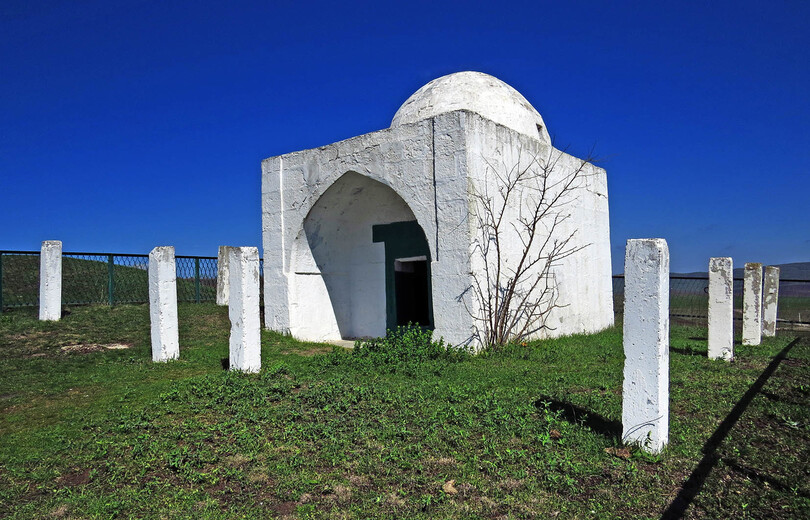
(383, 229)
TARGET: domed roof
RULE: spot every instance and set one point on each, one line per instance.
(477, 92)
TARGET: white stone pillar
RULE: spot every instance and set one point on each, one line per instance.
(645, 394)
(243, 309)
(163, 304)
(721, 308)
(222, 275)
(771, 297)
(752, 305)
(50, 280)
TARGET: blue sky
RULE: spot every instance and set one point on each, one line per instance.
(130, 124)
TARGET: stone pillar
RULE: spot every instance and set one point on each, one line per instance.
(752, 305)
(243, 309)
(50, 280)
(771, 298)
(645, 395)
(721, 308)
(163, 304)
(222, 275)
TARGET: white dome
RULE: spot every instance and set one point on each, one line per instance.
(477, 92)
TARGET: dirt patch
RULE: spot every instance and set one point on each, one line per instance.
(285, 508)
(360, 481)
(86, 348)
(237, 460)
(307, 352)
(76, 478)
(510, 484)
(342, 494)
(441, 462)
(394, 500)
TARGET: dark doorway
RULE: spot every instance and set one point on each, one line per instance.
(411, 288)
(408, 293)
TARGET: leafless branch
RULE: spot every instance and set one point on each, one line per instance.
(529, 203)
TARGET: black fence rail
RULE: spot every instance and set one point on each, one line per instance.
(103, 278)
(689, 299)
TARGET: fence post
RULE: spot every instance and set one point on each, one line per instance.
(645, 390)
(110, 280)
(1, 283)
(197, 280)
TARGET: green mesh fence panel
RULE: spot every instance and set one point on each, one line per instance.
(19, 278)
(689, 300)
(103, 278)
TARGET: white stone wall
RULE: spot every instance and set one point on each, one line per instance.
(721, 308)
(243, 309)
(50, 280)
(645, 391)
(451, 269)
(163, 304)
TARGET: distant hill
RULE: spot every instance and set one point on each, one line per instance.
(794, 271)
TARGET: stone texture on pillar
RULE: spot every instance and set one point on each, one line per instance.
(721, 308)
(50, 280)
(752, 304)
(163, 304)
(771, 300)
(645, 395)
(243, 309)
(222, 275)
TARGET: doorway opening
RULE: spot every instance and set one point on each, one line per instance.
(411, 285)
(408, 292)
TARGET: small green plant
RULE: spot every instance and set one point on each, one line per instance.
(405, 349)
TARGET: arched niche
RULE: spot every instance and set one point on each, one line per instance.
(343, 276)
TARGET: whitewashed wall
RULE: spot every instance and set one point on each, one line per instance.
(583, 280)
(319, 287)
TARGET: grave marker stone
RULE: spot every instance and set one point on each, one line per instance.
(645, 396)
(163, 304)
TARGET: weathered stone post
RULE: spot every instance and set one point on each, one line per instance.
(752, 304)
(163, 304)
(645, 396)
(50, 280)
(721, 308)
(243, 309)
(222, 275)
(771, 298)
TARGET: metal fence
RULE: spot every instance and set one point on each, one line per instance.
(103, 278)
(689, 299)
(112, 278)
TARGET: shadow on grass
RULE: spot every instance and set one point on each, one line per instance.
(762, 477)
(577, 415)
(694, 483)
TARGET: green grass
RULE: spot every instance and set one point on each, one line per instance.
(324, 433)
